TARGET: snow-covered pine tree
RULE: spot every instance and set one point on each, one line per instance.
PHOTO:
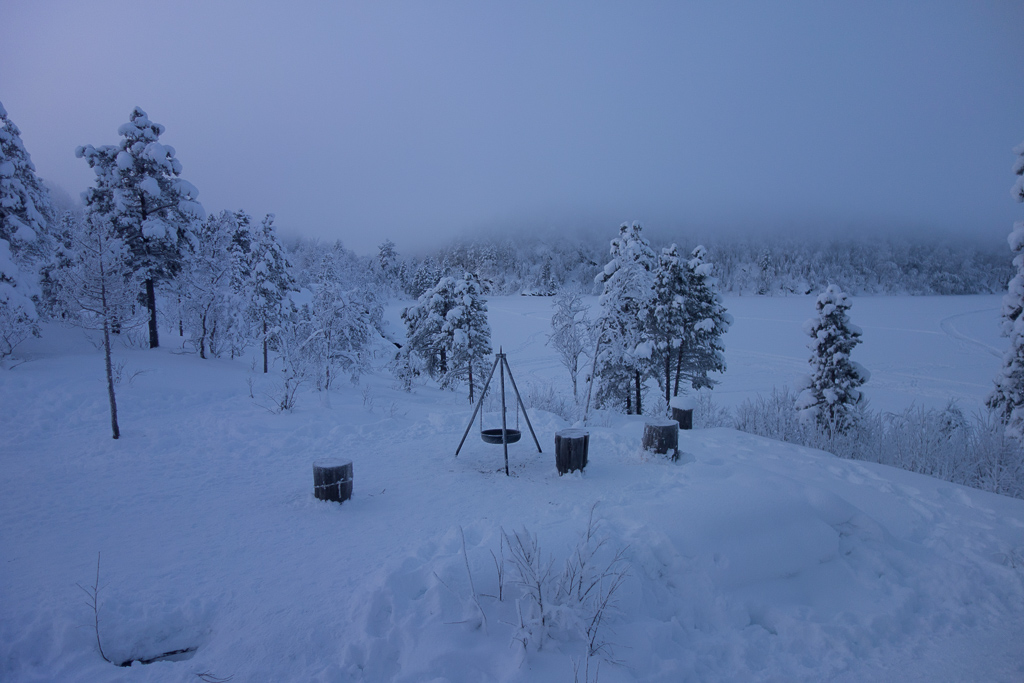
(624, 342)
(95, 286)
(831, 392)
(270, 281)
(139, 189)
(701, 351)
(669, 322)
(389, 269)
(424, 321)
(426, 277)
(465, 332)
(25, 216)
(766, 272)
(1007, 399)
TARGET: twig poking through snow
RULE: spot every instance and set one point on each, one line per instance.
(472, 589)
(93, 594)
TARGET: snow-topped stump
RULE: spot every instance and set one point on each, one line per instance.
(332, 480)
(682, 410)
(571, 447)
(662, 436)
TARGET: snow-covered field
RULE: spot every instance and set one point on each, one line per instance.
(747, 560)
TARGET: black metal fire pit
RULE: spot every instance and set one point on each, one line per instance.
(494, 435)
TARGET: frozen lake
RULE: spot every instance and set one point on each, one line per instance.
(920, 350)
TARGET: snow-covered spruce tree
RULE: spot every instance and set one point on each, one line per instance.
(570, 333)
(701, 351)
(447, 330)
(270, 281)
(830, 393)
(139, 189)
(26, 214)
(389, 268)
(624, 341)
(95, 287)
(423, 322)
(1007, 399)
(466, 332)
(427, 275)
(669, 323)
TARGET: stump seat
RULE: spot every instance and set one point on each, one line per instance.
(571, 447)
(662, 436)
(332, 480)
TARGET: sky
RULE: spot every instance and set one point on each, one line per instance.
(420, 122)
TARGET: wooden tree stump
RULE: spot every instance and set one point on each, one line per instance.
(571, 450)
(683, 417)
(682, 411)
(662, 436)
(332, 480)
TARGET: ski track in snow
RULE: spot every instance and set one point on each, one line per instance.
(749, 560)
(950, 329)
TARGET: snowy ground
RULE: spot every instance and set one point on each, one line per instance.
(747, 560)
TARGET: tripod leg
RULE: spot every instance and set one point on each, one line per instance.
(521, 405)
(477, 409)
(504, 426)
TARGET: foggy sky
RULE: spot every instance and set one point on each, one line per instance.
(420, 121)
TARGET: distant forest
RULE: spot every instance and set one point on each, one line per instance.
(767, 266)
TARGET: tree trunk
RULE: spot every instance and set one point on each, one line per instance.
(470, 381)
(154, 337)
(639, 411)
(574, 372)
(679, 369)
(110, 378)
(668, 374)
(106, 353)
(265, 347)
(202, 339)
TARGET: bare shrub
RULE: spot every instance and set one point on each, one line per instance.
(545, 397)
(942, 443)
(579, 599)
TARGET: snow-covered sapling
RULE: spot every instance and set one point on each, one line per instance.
(831, 392)
(96, 289)
(93, 593)
(570, 333)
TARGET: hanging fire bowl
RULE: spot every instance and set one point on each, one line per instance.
(494, 435)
